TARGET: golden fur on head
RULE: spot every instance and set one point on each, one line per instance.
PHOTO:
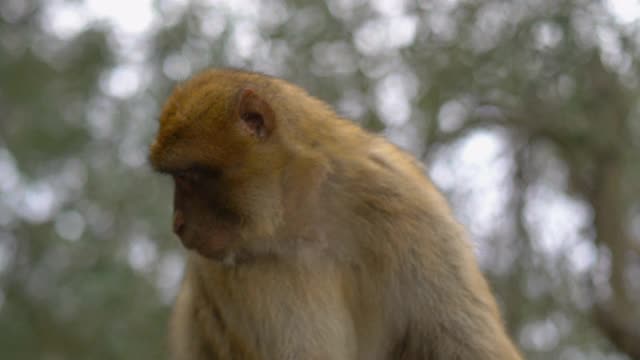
(202, 127)
(196, 125)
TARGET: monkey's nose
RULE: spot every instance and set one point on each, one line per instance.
(178, 222)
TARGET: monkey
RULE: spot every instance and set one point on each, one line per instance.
(308, 237)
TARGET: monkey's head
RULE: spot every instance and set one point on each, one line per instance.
(220, 140)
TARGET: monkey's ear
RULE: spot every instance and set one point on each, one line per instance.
(256, 115)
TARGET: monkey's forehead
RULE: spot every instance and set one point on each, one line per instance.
(214, 89)
(188, 104)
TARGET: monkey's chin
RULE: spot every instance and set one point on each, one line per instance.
(214, 246)
(215, 255)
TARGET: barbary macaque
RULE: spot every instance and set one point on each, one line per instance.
(309, 237)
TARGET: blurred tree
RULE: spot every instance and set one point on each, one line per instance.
(526, 112)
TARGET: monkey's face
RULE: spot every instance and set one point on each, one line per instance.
(217, 140)
(203, 217)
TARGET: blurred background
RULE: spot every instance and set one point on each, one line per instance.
(526, 112)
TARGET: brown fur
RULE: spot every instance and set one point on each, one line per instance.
(311, 238)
